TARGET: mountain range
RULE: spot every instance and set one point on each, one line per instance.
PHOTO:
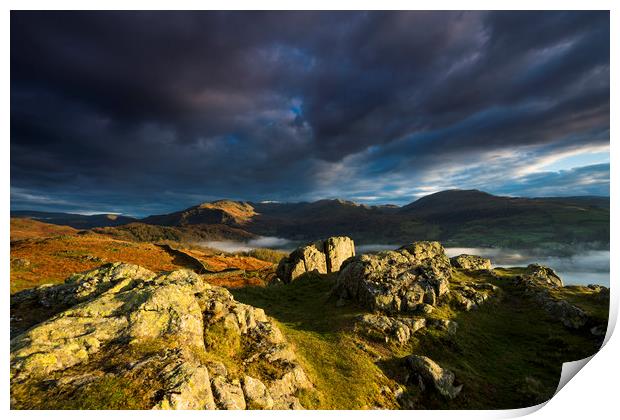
(455, 217)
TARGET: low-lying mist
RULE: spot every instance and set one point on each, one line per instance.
(261, 242)
(582, 267)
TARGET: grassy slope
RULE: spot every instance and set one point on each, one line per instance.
(28, 228)
(508, 353)
(344, 374)
(52, 259)
(535, 229)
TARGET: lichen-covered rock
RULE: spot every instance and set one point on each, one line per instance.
(169, 328)
(539, 281)
(430, 373)
(337, 250)
(570, 315)
(397, 281)
(471, 262)
(470, 295)
(324, 256)
(256, 394)
(133, 307)
(388, 328)
(443, 324)
(536, 274)
(189, 387)
(281, 390)
(228, 394)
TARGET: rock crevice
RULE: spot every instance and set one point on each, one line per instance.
(324, 256)
(174, 328)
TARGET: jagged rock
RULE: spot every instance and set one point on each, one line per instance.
(325, 256)
(471, 262)
(430, 373)
(426, 308)
(337, 250)
(397, 281)
(470, 295)
(536, 274)
(189, 388)
(164, 324)
(229, 395)
(388, 328)
(281, 390)
(538, 281)
(256, 394)
(443, 324)
(80, 287)
(570, 315)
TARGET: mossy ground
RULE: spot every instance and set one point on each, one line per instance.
(105, 388)
(508, 353)
(344, 374)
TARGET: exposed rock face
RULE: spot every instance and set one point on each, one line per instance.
(570, 315)
(471, 262)
(470, 295)
(388, 328)
(430, 373)
(172, 328)
(256, 394)
(538, 281)
(337, 250)
(397, 281)
(443, 324)
(325, 256)
(537, 274)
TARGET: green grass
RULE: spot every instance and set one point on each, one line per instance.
(337, 362)
(586, 299)
(508, 353)
(131, 390)
(107, 393)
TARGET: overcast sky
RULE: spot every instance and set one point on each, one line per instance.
(144, 113)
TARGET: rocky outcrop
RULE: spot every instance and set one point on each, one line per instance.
(443, 324)
(470, 262)
(538, 275)
(539, 281)
(386, 328)
(430, 373)
(173, 330)
(469, 295)
(325, 256)
(337, 250)
(397, 281)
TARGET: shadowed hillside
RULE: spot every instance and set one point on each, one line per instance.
(468, 218)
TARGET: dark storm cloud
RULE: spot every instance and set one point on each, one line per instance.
(150, 111)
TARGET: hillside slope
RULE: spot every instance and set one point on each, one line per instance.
(468, 218)
(77, 221)
(429, 335)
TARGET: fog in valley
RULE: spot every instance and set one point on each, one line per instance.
(260, 242)
(584, 267)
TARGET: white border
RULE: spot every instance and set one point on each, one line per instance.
(592, 395)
